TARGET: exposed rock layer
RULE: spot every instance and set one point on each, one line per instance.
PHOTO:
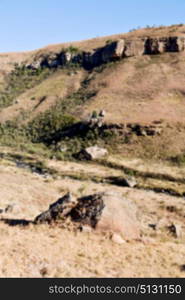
(112, 51)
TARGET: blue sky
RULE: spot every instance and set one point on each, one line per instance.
(27, 25)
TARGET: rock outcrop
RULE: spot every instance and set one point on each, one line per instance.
(150, 129)
(130, 181)
(102, 212)
(88, 210)
(57, 210)
(155, 128)
(112, 51)
(92, 153)
(165, 44)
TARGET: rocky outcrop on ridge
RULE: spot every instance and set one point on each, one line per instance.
(112, 51)
(119, 129)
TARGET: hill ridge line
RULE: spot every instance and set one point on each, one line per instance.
(111, 51)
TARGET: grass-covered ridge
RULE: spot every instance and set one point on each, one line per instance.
(137, 89)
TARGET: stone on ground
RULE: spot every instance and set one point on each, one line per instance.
(94, 152)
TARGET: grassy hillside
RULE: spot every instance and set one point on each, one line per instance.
(48, 114)
(38, 105)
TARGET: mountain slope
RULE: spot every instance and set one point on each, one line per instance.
(136, 78)
(50, 103)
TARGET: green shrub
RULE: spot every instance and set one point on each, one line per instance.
(72, 49)
(47, 126)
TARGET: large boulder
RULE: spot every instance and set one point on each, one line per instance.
(119, 216)
(130, 181)
(92, 153)
(105, 212)
(108, 212)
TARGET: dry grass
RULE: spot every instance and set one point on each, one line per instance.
(142, 89)
(148, 166)
(52, 251)
(138, 89)
(90, 44)
(74, 254)
(60, 253)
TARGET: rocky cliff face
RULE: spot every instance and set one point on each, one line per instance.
(110, 52)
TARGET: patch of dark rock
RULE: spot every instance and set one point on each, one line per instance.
(58, 209)
(121, 181)
(171, 208)
(175, 230)
(153, 226)
(88, 210)
(16, 222)
(147, 130)
(44, 271)
(162, 190)
(34, 168)
(9, 208)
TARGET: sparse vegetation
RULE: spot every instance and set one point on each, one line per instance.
(19, 80)
(108, 42)
(48, 125)
(72, 49)
(178, 159)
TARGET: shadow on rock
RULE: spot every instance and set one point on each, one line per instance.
(106, 211)
(16, 222)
